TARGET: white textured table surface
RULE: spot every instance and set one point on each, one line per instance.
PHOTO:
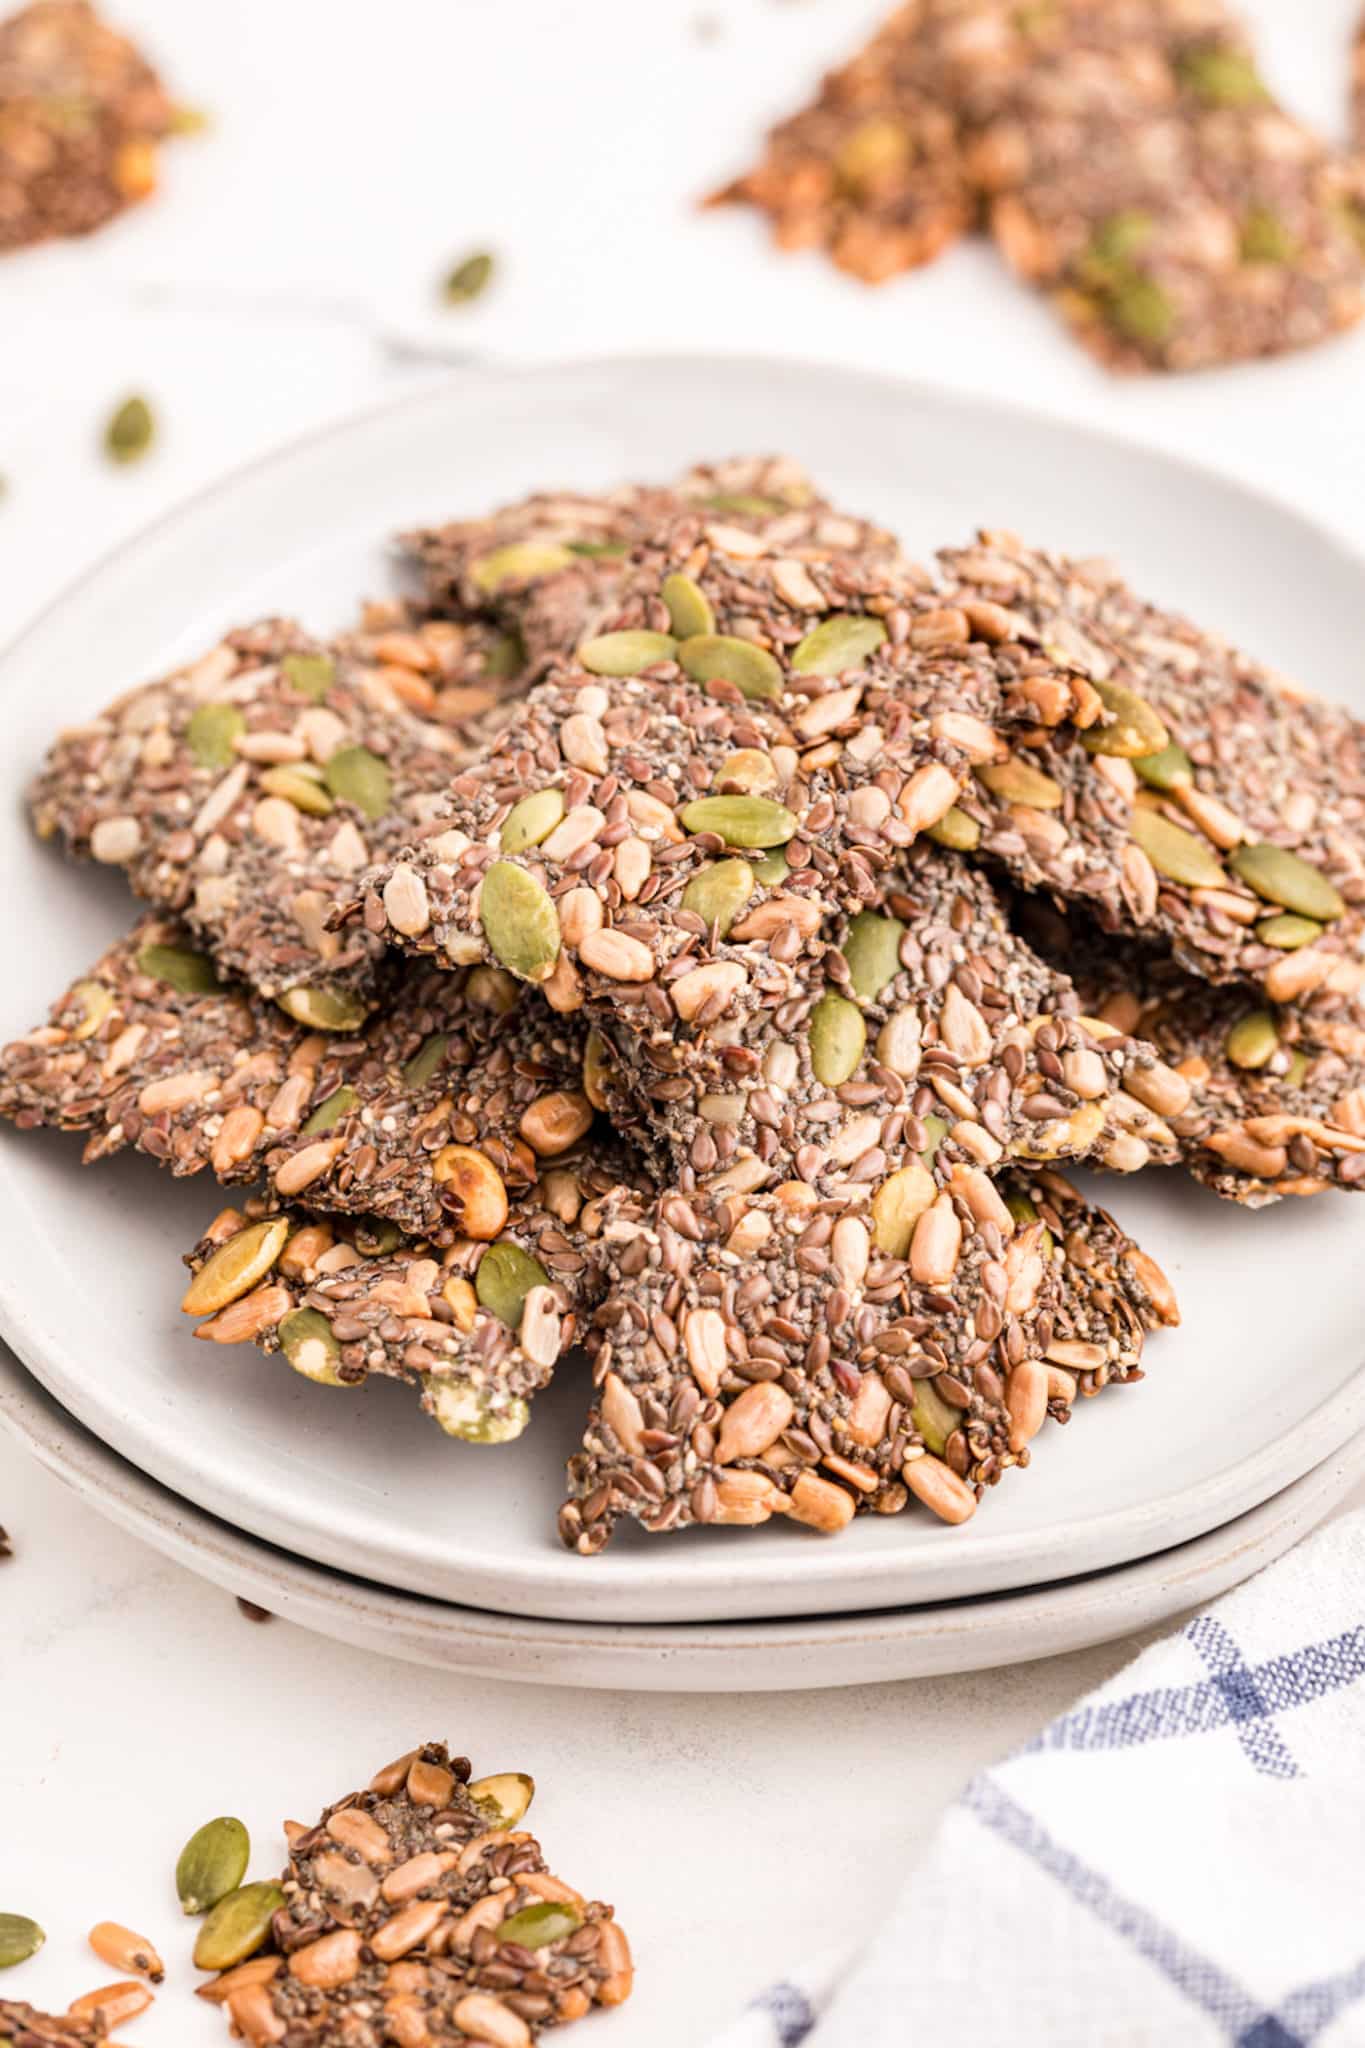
(347, 168)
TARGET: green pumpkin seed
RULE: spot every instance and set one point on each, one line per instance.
(1287, 931)
(307, 1342)
(936, 1129)
(465, 1411)
(537, 1926)
(506, 657)
(718, 893)
(469, 279)
(771, 868)
(426, 1062)
(873, 952)
(519, 921)
(237, 1926)
(519, 562)
(376, 1236)
(1253, 1040)
(1015, 782)
(1220, 78)
(323, 1009)
(235, 1267)
(689, 608)
(1117, 241)
(1139, 309)
(312, 675)
(1282, 877)
(502, 1799)
(339, 1103)
(532, 820)
(192, 974)
(1136, 729)
(1176, 853)
(625, 654)
(1169, 769)
(358, 777)
(1265, 238)
(719, 658)
(932, 1416)
(837, 1037)
(20, 1938)
(505, 1277)
(740, 820)
(1021, 1208)
(956, 828)
(210, 732)
(1295, 1072)
(837, 644)
(746, 504)
(212, 1864)
(130, 432)
(597, 550)
(299, 790)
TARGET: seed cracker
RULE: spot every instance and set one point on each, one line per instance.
(22, 2026)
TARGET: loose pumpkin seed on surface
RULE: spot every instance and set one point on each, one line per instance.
(469, 279)
(212, 1863)
(130, 432)
(237, 1926)
(20, 1938)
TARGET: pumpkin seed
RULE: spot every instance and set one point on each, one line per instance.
(625, 654)
(1171, 768)
(237, 1926)
(464, 1411)
(519, 921)
(192, 974)
(96, 1001)
(740, 820)
(1220, 78)
(532, 820)
(506, 657)
(1253, 1040)
(1296, 1070)
(718, 893)
(1265, 238)
(339, 1103)
(323, 1009)
(1287, 931)
(771, 868)
(719, 658)
(1021, 1208)
(212, 1863)
(956, 829)
(468, 279)
(210, 732)
(505, 1277)
(299, 790)
(376, 1236)
(936, 1129)
(312, 675)
(597, 550)
(932, 1416)
(1116, 241)
(358, 777)
(1140, 309)
(689, 608)
(1284, 878)
(747, 504)
(836, 644)
(873, 952)
(234, 1269)
(897, 1206)
(518, 562)
(537, 1926)
(20, 1938)
(503, 1798)
(130, 432)
(1176, 853)
(837, 1037)
(307, 1342)
(425, 1062)
(1136, 729)
(1015, 782)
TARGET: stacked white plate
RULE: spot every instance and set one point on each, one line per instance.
(352, 1511)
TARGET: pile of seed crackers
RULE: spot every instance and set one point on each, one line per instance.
(681, 945)
(1129, 159)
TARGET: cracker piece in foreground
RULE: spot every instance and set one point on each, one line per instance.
(81, 113)
(22, 2026)
(244, 793)
(417, 1911)
(764, 1355)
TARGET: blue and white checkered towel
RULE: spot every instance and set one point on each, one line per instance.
(1178, 1863)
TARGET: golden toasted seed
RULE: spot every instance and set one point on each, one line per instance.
(689, 608)
(555, 1121)
(236, 1267)
(123, 1950)
(1253, 1040)
(114, 2003)
(307, 1342)
(212, 1864)
(836, 644)
(492, 988)
(210, 732)
(1282, 877)
(519, 921)
(299, 790)
(718, 893)
(1015, 782)
(260, 1971)
(939, 1488)
(1135, 731)
(505, 1277)
(485, 2018)
(20, 1938)
(596, 1069)
(625, 654)
(323, 1009)
(1288, 931)
(956, 829)
(192, 974)
(897, 1206)
(532, 820)
(746, 770)
(1062, 1137)
(749, 821)
(718, 658)
(95, 1002)
(332, 1960)
(873, 952)
(503, 1798)
(1175, 853)
(837, 1037)
(473, 1188)
(1170, 768)
(519, 562)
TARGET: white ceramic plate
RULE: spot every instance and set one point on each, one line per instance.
(736, 1656)
(1259, 1386)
